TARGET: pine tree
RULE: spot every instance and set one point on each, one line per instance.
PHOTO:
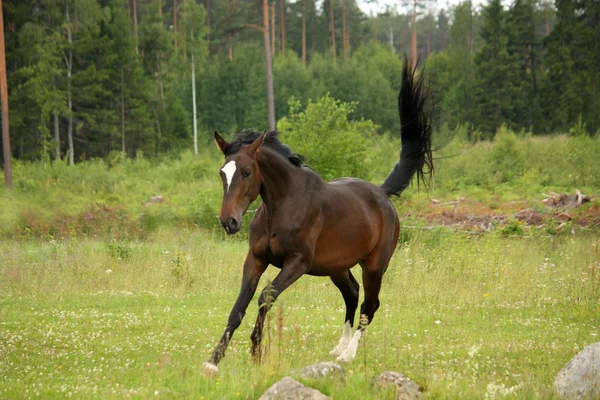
(496, 79)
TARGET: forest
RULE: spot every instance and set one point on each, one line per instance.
(91, 77)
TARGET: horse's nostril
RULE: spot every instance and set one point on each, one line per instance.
(232, 224)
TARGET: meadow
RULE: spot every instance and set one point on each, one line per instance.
(106, 295)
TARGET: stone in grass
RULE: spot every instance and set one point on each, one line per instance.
(291, 389)
(580, 378)
(405, 388)
(322, 370)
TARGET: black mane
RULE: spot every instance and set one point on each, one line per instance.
(271, 141)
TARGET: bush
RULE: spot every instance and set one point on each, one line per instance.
(333, 145)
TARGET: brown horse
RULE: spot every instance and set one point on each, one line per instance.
(308, 226)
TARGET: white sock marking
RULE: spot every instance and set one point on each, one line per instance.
(229, 170)
(350, 353)
(344, 340)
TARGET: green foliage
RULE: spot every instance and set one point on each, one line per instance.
(333, 145)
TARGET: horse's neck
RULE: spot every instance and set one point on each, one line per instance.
(279, 178)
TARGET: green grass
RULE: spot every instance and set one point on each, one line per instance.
(465, 316)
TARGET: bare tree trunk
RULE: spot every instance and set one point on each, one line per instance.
(268, 67)
(208, 22)
(56, 127)
(128, 18)
(56, 136)
(376, 29)
(230, 40)
(413, 41)
(428, 44)
(159, 134)
(332, 28)
(137, 47)
(175, 22)
(282, 25)
(344, 31)
(304, 32)
(122, 111)
(392, 38)
(4, 99)
(194, 105)
(69, 99)
(160, 8)
(273, 29)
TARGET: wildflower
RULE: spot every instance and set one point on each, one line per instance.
(109, 271)
(486, 295)
(438, 322)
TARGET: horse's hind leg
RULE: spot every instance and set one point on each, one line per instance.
(373, 269)
(349, 289)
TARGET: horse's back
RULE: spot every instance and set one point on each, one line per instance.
(356, 216)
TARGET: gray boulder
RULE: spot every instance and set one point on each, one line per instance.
(291, 389)
(321, 370)
(405, 388)
(580, 378)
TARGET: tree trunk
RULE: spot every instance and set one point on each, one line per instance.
(56, 136)
(208, 22)
(273, 29)
(122, 111)
(428, 44)
(413, 41)
(175, 22)
(4, 99)
(56, 127)
(281, 25)
(159, 134)
(344, 31)
(128, 18)
(268, 67)
(230, 41)
(332, 28)
(135, 27)
(375, 31)
(69, 100)
(160, 9)
(304, 32)
(194, 105)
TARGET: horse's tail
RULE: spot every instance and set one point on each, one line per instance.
(415, 132)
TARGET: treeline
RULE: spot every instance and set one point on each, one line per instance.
(89, 77)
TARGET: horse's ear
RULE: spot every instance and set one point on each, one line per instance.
(256, 144)
(222, 144)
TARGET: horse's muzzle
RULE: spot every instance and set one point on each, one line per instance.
(231, 226)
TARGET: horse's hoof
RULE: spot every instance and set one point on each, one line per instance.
(209, 369)
(346, 357)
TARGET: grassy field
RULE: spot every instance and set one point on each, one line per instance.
(465, 315)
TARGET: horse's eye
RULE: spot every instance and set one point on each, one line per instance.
(246, 174)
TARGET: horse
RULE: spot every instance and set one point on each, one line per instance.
(306, 226)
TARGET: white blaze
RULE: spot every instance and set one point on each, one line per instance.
(229, 170)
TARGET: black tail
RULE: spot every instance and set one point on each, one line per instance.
(415, 133)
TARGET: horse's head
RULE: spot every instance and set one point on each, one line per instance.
(241, 182)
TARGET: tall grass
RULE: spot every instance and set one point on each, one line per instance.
(466, 317)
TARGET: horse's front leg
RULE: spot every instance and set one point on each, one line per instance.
(293, 268)
(254, 266)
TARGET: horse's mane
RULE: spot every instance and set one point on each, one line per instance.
(271, 141)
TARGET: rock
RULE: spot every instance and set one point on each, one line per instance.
(405, 388)
(291, 389)
(580, 378)
(322, 370)
(154, 200)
